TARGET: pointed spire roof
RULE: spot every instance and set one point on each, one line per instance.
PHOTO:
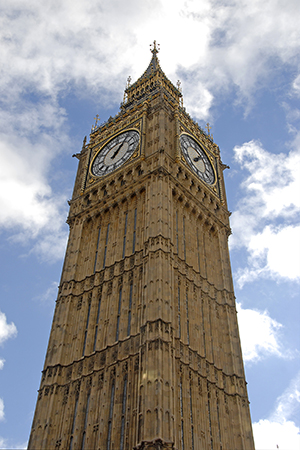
(154, 63)
(152, 79)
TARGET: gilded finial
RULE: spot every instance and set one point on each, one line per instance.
(208, 127)
(180, 90)
(155, 48)
(97, 118)
(125, 97)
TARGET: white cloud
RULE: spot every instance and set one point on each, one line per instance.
(31, 137)
(266, 339)
(1, 410)
(273, 252)
(273, 179)
(6, 330)
(234, 43)
(269, 434)
(28, 200)
(266, 219)
(90, 50)
(52, 245)
(4, 444)
(49, 296)
(280, 429)
(279, 245)
(288, 404)
(198, 99)
(31, 209)
(296, 85)
(245, 43)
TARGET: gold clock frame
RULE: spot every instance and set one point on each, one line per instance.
(210, 158)
(107, 142)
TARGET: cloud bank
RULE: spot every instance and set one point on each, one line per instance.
(266, 221)
(50, 50)
(266, 339)
(7, 330)
(279, 428)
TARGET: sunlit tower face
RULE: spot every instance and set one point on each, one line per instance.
(144, 349)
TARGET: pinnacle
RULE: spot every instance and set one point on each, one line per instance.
(154, 63)
(154, 70)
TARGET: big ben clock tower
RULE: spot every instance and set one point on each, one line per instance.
(144, 350)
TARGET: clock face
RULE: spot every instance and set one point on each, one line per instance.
(197, 159)
(115, 153)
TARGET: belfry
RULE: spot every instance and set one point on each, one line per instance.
(144, 350)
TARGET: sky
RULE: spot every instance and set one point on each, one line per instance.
(63, 62)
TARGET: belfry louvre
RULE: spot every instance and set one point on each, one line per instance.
(144, 350)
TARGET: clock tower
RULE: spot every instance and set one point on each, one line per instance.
(144, 350)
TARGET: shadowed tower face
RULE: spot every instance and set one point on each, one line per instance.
(144, 350)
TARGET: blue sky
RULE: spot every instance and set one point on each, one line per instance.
(63, 62)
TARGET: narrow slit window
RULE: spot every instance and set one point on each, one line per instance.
(86, 328)
(85, 422)
(111, 408)
(74, 417)
(177, 246)
(179, 321)
(209, 417)
(192, 420)
(198, 246)
(129, 310)
(204, 259)
(187, 317)
(106, 242)
(181, 414)
(73, 424)
(203, 328)
(97, 324)
(181, 400)
(134, 231)
(119, 314)
(218, 414)
(124, 237)
(123, 414)
(97, 248)
(184, 247)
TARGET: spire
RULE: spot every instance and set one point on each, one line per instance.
(154, 63)
(152, 80)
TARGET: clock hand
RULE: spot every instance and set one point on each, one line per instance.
(197, 158)
(117, 151)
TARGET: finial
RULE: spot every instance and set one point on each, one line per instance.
(208, 127)
(125, 97)
(155, 49)
(180, 90)
(97, 118)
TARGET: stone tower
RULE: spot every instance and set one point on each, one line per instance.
(144, 350)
